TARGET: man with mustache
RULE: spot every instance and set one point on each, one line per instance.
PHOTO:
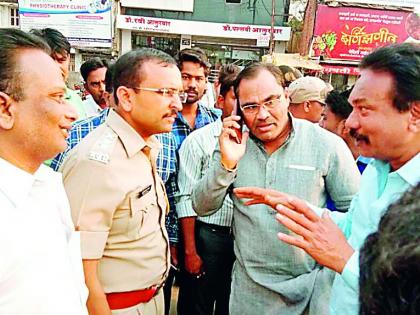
(195, 68)
(286, 153)
(118, 200)
(385, 123)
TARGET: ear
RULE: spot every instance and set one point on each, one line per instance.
(7, 118)
(414, 118)
(306, 106)
(125, 98)
(341, 128)
(220, 102)
(85, 86)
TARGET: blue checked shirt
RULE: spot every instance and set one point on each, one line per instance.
(166, 162)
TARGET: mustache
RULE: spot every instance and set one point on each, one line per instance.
(357, 136)
(173, 112)
(191, 90)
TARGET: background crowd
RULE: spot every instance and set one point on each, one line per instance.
(252, 204)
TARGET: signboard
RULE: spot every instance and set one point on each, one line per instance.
(351, 33)
(340, 70)
(151, 24)
(85, 23)
(263, 40)
(171, 5)
(185, 42)
(398, 3)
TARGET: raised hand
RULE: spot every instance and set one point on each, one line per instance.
(232, 149)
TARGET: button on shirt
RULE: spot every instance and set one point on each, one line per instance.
(195, 157)
(41, 269)
(269, 274)
(166, 161)
(118, 203)
(379, 188)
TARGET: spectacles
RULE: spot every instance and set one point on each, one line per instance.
(166, 92)
(255, 108)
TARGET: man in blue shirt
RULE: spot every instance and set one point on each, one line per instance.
(385, 123)
(195, 68)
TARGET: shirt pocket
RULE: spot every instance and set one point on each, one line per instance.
(144, 211)
(303, 181)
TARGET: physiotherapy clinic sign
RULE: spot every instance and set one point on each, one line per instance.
(85, 23)
(351, 33)
(171, 26)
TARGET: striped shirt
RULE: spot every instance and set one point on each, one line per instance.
(194, 158)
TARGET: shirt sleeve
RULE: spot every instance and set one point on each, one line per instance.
(343, 177)
(350, 272)
(188, 175)
(210, 191)
(93, 200)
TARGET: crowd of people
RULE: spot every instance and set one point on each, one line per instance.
(252, 205)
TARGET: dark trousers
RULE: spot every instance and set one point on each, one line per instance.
(210, 292)
(167, 289)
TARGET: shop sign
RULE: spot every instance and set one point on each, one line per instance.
(263, 40)
(185, 42)
(171, 5)
(398, 3)
(158, 25)
(351, 33)
(335, 69)
(85, 23)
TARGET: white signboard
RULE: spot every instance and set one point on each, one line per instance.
(185, 42)
(171, 5)
(263, 40)
(151, 24)
(85, 23)
(399, 3)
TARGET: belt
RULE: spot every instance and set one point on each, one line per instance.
(215, 227)
(120, 300)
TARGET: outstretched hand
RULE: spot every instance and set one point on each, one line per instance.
(257, 195)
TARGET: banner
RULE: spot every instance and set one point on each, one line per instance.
(351, 33)
(158, 25)
(85, 23)
(398, 3)
(171, 5)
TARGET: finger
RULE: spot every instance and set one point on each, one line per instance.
(302, 207)
(296, 217)
(292, 240)
(254, 202)
(245, 136)
(250, 192)
(228, 133)
(276, 200)
(293, 226)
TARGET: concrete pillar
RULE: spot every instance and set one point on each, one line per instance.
(125, 41)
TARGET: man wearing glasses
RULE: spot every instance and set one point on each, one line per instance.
(281, 153)
(117, 198)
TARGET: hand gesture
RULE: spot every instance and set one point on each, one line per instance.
(194, 265)
(232, 149)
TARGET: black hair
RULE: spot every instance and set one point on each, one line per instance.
(196, 55)
(402, 61)
(253, 70)
(227, 77)
(109, 87)
(338, 104)
(92, 65)
(55, 39)
(390, 261)
(127, 69)
(11, 42)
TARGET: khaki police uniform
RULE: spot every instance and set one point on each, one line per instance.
(118, 204)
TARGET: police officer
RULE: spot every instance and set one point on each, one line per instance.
(118, 200)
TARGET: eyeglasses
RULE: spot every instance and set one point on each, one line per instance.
(255, 108)
(166, 92)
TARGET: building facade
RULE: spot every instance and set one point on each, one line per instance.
(228, 30)
(9, 14)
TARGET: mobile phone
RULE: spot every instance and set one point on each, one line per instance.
(238, 112)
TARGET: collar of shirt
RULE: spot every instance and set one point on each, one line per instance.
(290, 136)
(17, 183)
(131, 140)
(410, 170)
(204, 116)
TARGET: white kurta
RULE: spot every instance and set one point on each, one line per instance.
(40, 264)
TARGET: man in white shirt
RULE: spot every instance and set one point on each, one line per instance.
(93, 72)
(40, 269)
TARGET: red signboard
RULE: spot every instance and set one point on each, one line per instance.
(351, 33)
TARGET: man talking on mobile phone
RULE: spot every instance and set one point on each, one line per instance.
(280, 152)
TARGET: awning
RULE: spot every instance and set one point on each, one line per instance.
(292, 60)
